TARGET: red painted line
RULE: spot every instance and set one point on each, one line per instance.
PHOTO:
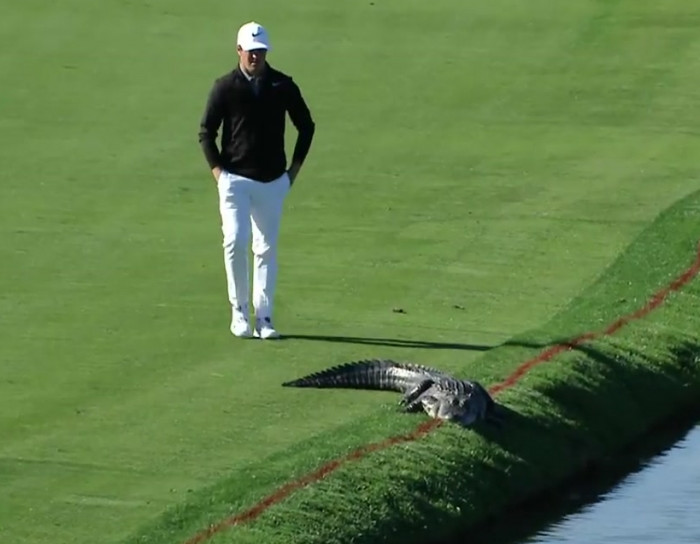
(428, 426)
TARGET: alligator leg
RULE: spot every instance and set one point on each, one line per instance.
(411, 401)
(431, 405)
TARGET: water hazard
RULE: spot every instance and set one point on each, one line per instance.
(650, 495)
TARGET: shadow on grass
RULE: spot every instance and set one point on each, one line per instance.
(425, 344)
(391, 342)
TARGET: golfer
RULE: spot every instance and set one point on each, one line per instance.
(249, 105)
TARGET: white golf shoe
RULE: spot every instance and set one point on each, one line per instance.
(240, 325)
(264, 329)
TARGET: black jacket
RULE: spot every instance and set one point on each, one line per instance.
(252, 126)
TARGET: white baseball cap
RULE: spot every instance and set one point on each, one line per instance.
(253, 36)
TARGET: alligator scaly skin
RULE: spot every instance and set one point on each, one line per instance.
(438, 394)
(382, 374)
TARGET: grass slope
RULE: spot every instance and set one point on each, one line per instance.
(477, 169)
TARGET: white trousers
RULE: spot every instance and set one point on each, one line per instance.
(249, 206)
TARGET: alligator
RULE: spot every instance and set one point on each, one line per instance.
(440, 395)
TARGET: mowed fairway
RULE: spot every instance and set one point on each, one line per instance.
(476, 165)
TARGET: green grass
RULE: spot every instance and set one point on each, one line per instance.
(491, 156)
(568, 414)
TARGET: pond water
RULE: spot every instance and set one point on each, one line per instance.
(650, 495)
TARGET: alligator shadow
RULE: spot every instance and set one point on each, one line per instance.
(499, 422)
(390, 342)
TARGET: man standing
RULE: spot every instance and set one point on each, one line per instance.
(249, 104)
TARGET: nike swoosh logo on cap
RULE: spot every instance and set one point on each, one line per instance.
(256, 34)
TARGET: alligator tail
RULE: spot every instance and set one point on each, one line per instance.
(382, 374)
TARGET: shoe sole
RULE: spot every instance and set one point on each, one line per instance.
(246, 334)
(256, 334)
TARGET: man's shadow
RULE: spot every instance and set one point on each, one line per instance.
(390, 342)
(423, 344)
